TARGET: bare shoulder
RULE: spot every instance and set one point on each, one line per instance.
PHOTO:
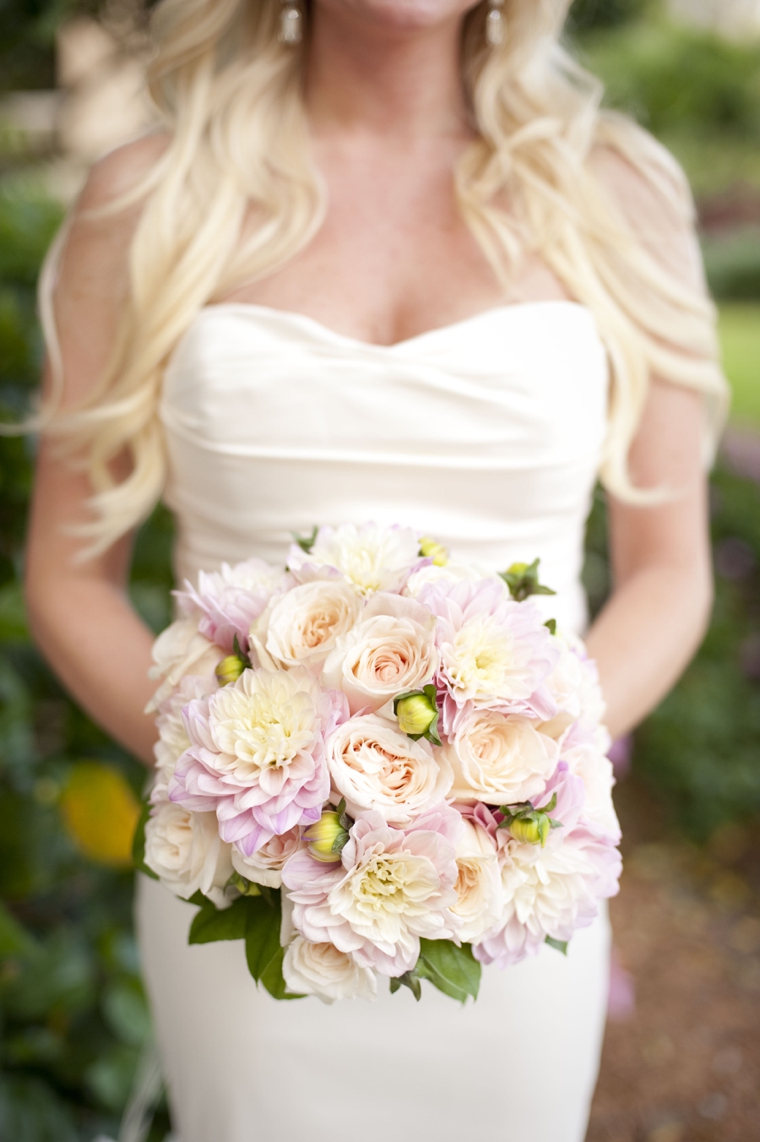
(652, 196)
(120, 171)
(92, 281)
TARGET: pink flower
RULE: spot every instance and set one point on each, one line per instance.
(555, 890)
(495, 653)
(392, 887)
(371, 557)
(257, 754)
(228, 601)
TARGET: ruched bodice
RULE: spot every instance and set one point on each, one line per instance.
(486, 434)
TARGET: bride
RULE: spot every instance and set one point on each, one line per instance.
(385, 260)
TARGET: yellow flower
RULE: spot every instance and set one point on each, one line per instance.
(229, 669)
(327, 836)
(100, 812)
(431, 549)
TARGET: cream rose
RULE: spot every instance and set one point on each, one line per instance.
(185, 851)
(448, 573)
(265, 865)
(499, 759)
(390, 650)
(302, 625)
(321, 970)
(478, 886)
(180, 650)
(374, 766)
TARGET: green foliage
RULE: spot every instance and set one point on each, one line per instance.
(674, 78)
(73, 1012)
(740, 341)
(453, 970)
(732, 262)
(586, 14)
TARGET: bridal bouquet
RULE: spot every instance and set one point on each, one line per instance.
(378, 763)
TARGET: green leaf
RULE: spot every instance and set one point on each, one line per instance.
(306, 542)
(212, 923)
(14, 938)
(263, 951)
(453, 970)
(551, 626)
(560, 945)
(409, 979)
(138, 842)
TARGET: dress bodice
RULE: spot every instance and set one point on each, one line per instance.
(486, 434)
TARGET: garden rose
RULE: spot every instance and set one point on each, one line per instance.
(265, 865)
(371, 558)
(374, 766)
(185, 850)
(499, 758)
(321, 970)
(390, 650)
(179, 650)
(302, 625)
(478, 885)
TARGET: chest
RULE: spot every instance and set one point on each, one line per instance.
(394, 256)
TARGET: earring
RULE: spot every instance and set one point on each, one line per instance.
(495, 23)
(291, 23)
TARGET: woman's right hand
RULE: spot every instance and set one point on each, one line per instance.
(79, 611)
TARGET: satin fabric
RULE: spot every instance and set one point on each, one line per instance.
(487, 435)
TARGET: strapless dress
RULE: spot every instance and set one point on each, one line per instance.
(486, 434)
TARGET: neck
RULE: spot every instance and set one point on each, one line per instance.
(364, 76)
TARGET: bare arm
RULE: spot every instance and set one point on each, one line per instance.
(80, 614)
(659, 609)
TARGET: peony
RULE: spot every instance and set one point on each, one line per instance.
(302, 625)
(494, 652)
(392, 887)
(185, 851)
(321, 970)
(265, 865)
(371, 558)
(392, 649)
(551, 891)
(179, 650)
(574, 685)
(374, 766)
(499, 758)
(227, 601)
(257, 755)
(478, 885)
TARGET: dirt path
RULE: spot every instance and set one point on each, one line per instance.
(682, 1064)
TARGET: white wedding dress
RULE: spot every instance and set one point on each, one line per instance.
(487, 435)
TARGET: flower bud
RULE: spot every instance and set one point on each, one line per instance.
(533, 831)
(229, 669)
(327, 837)
(522, 580)
(417, 713)
(431, 549)
(244, 887)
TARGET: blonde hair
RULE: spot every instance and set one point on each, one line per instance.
(230, 95)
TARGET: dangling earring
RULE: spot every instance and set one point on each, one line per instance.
(495, 23)
(291, 23)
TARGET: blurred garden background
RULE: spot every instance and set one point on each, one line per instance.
(682, 1058)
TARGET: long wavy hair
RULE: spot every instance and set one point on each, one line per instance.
(230, 95)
